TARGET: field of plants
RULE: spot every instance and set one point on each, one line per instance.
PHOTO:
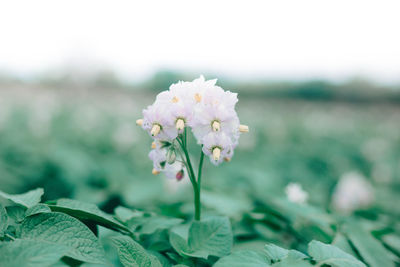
(77, 187)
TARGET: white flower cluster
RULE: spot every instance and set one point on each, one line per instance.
(352, 192)
(296, 194)
(204, 107)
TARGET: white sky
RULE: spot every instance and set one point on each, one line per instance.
(274, 39)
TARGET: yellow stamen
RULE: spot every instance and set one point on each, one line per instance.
(227, 159)
(216, 153)
(180, 124)
(216, 126)
(197, 97)
(139, 122)
(155, 172)
(175, 99)
(155, 130)
(243, 128)
(153, 145)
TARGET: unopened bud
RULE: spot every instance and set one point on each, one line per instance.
(155, 172)
(153, 145)
(216, 153)
(216, 126)
(197, 97)
(180, 124)
(243, 128)
(227, 159)
(155, 130)
(171, 155)
(139, 122)
(179, 175)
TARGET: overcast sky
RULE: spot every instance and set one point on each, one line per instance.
(274, 39)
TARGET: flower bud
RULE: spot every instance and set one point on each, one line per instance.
(155, 172)
(153, 145)
(139, 122)
(243, 128)
(155, 130)
(179, 175)
(180, 124)
(227, 159)
(216, 126)
(216, 153)
(171, 155)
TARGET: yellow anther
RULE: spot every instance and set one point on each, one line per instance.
(243, 128)
(216, 126)
(227, 159)
(216, 153)
(180, 124)
(155, 130)
(155, 172)
(153, 145)
(139, 122)
(197, 97)
(175, 99)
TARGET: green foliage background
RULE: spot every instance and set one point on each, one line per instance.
(82, 143)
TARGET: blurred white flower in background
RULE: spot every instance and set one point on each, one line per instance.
(352, 192)
(296, 194)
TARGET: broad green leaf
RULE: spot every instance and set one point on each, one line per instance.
(3, 220)
(370, 249)
(131, 254)
(87, 211)
(27, 200)
(62, 229)
(331, 255)
(243, 258)
(275, 253)
(30, 253)
(211, 236)
(39, 208)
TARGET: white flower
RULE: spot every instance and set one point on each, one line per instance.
(295, 193)
(352, 192)
(156, 121)
(202, 106)
(159, 158)
(218, 146)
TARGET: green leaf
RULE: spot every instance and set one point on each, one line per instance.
(28, 199)
(3, 220)
(392, 241)
(62, 229)
(30, 253)
(149, 225)
(87, 211)
(331, 255)
(243, 258)
(275, 253)
(16, 213)
(131, 254)
(39, 208)
(370, 249)
(212, 236)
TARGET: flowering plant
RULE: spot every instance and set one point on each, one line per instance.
(210, 113)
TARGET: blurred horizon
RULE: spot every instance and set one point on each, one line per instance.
(266, 40)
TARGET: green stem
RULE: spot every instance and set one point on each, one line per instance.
(196, 186)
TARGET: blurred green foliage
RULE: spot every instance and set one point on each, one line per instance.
(86, 146)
